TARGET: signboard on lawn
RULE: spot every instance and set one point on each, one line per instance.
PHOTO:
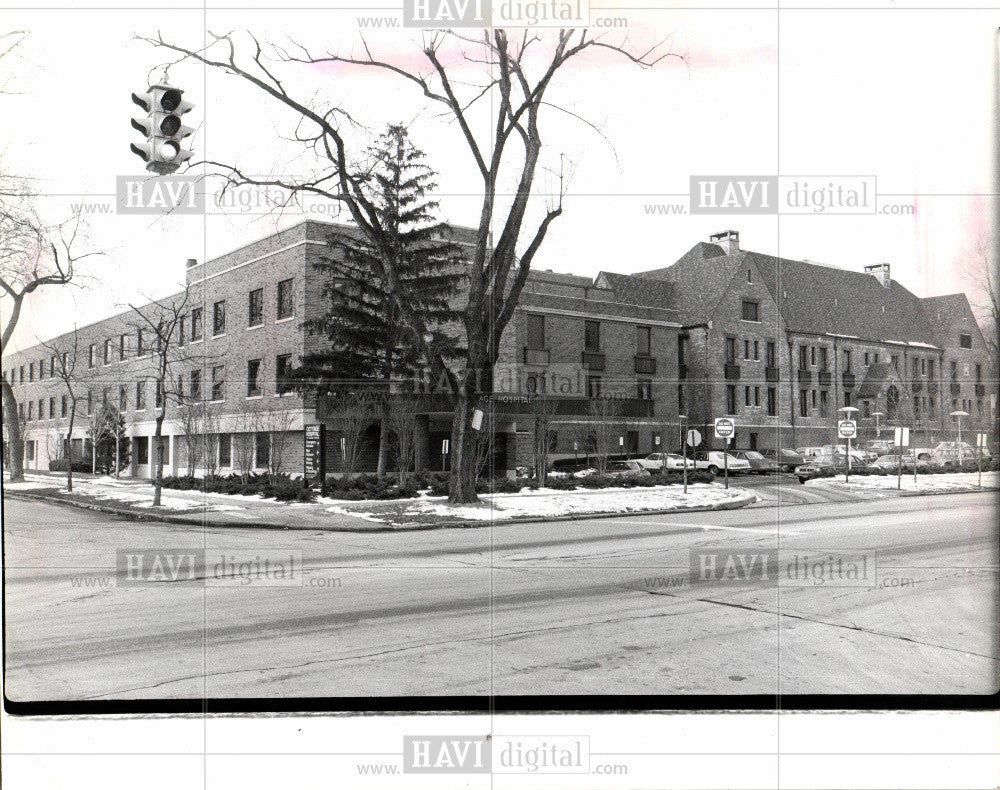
(902, 437)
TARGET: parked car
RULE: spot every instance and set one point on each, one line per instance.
(949, 452)
(714, 461)
(668, 462)
(832, 449)
(819, 465)
(625, 469)
(759, 463)
(891, 462)
(786, 460)
(880, 447)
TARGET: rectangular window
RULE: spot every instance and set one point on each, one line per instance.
(746, 349)
(823, 362)
(31, 409)
(123, 399)
(91, 355)
(979, 373)
(52, 408)
(107, 352)
(219, 382)
(730, 351)
(814, 399)
(140, 395)
(181, 331)
(643, 341)
(31, 371)
(930, 403)
(812, 355)
(142, 450)
(930, 368)
(954, 370)
(158, 394)
(750, 310)
(866, 409)
(286, 301)
(225, 449)
(41, 409)
(122, 354)
(770, 354)
(756, 396)
(644, 389)
(803, 403)
(822, 404)
(255, 308)
(756, 350)
(219, 318)
(730, 399)
(253, 377)
(965, 340)
(746, 395)
(140, 345)
(536, 332)
(90, 402)
(163, 454)
(894, 361)
(262, 450)
(196, 323)
(923, 367)
(64, 406)
(680, 399)
(876, 358)
(593, 386)
(21, 375)
(282, 369)
(592, 336)
(30, 450)
(803, 357)
(847, 361)
(52, 366)
(196, 384)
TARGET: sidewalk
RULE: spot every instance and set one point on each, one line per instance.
(133, 499)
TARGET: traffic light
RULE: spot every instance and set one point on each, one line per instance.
(162, 127)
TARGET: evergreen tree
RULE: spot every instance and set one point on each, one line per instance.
(368, 345)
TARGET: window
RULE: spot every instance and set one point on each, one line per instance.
(21, 375)
(644, 389)
(536, 332)
(219, 318)
(41, 408)
(930, 403)
(286, 301)
(140, 346)
(592, 336)
(756, 350)
(643, 341)
(979, 373)
(593, 386)
(90, 402)
(894, 360)
(746, 350)
(847, 361)
(803, 403)
(142, 450)
(225, 449)
(866, 408)
(52, 408)
(158, 394)
(812, 355)
(746, 395)
(930, 368)
(680, 399)
(750, 310)
(163, 454)
(876, 357)
(772, 402)
(219, 382)
(749, 275)
(282, 369)
(965, 340)
(730, 399)
(822, 404)
(64, 406)
(867, 361)
(954, 370)
(122, 399)
(52, 366)
(253, 377)
(140, 395)
(730, 351)
(31, 410)
(770, 354)
(196, 384)
(803, 357)
(180, 387)
(196, 323)
(123, 348)
(262, 450)
(30, 450)
(107, 352)
(823, 362)
(182, 326)
(91, 355)
(923, 367)
(814, 399)
(255, 309)
(756, 396)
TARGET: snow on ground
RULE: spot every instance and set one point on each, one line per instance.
(958, 481)
(547, 502)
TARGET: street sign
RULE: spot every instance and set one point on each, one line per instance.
(902, 438)
(477, 420)
(847, 429)
(724, 428)
(445, 443)
(313, 450)
(693, 438)
(981, 440)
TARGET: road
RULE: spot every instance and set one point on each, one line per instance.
(583, 607)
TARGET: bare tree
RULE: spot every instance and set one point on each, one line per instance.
(515, 90)
(401, 418)
(542, 411)
(277, 424)
(190, 417)
(64, 356)
(982, 271)
(244, 440)
(605, 429)
(209, 447)
(354, 413)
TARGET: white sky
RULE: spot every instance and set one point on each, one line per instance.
(902, 95)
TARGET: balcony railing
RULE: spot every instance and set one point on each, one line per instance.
(825, 378)
(732, 372)
(804, 376)
(645, 365)
(536, 356)
(848, 380)
(771, 373)
(980, 390)
(956, 388)
(593, 360)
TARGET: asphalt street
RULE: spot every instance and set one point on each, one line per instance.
(683, 604)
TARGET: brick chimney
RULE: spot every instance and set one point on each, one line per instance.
(881, 271)
(729, 240)
(192, 262)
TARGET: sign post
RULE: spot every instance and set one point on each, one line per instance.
(980, 448)
(902, 440)
(314, 456)
(445, 443)
(694, 439)
(724, 429)
(847, 429)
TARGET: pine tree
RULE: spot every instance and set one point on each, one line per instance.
(368, 344)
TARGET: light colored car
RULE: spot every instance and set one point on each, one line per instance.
(658, 462)
(891, 462)
(949, 451)
(759, 463)
(714, 461)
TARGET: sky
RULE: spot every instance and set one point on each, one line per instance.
(902, 95)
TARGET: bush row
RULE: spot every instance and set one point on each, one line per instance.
(62, 465)
(935, 469)
(280, 487)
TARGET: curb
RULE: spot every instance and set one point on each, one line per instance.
(170, 518)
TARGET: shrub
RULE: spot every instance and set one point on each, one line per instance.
(62, 465)
(562, 483)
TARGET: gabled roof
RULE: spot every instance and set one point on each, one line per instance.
(699, 279)
(875, 380)
(631, 289)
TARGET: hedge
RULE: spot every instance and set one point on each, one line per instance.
(281, 487)
(62, 465)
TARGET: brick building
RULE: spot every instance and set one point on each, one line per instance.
(778, 344)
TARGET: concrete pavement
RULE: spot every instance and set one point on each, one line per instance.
(589, 607)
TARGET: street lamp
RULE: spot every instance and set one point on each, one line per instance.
(878, 428)
(682, 421)
(849, 412)
(960, 415)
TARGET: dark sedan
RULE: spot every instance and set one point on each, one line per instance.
(786, 460)
(825, 465)
(759, 464)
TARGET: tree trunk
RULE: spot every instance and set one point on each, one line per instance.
(69, 449)
(158, 461)
(383, 443)
(463, 453)
(15, 439)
